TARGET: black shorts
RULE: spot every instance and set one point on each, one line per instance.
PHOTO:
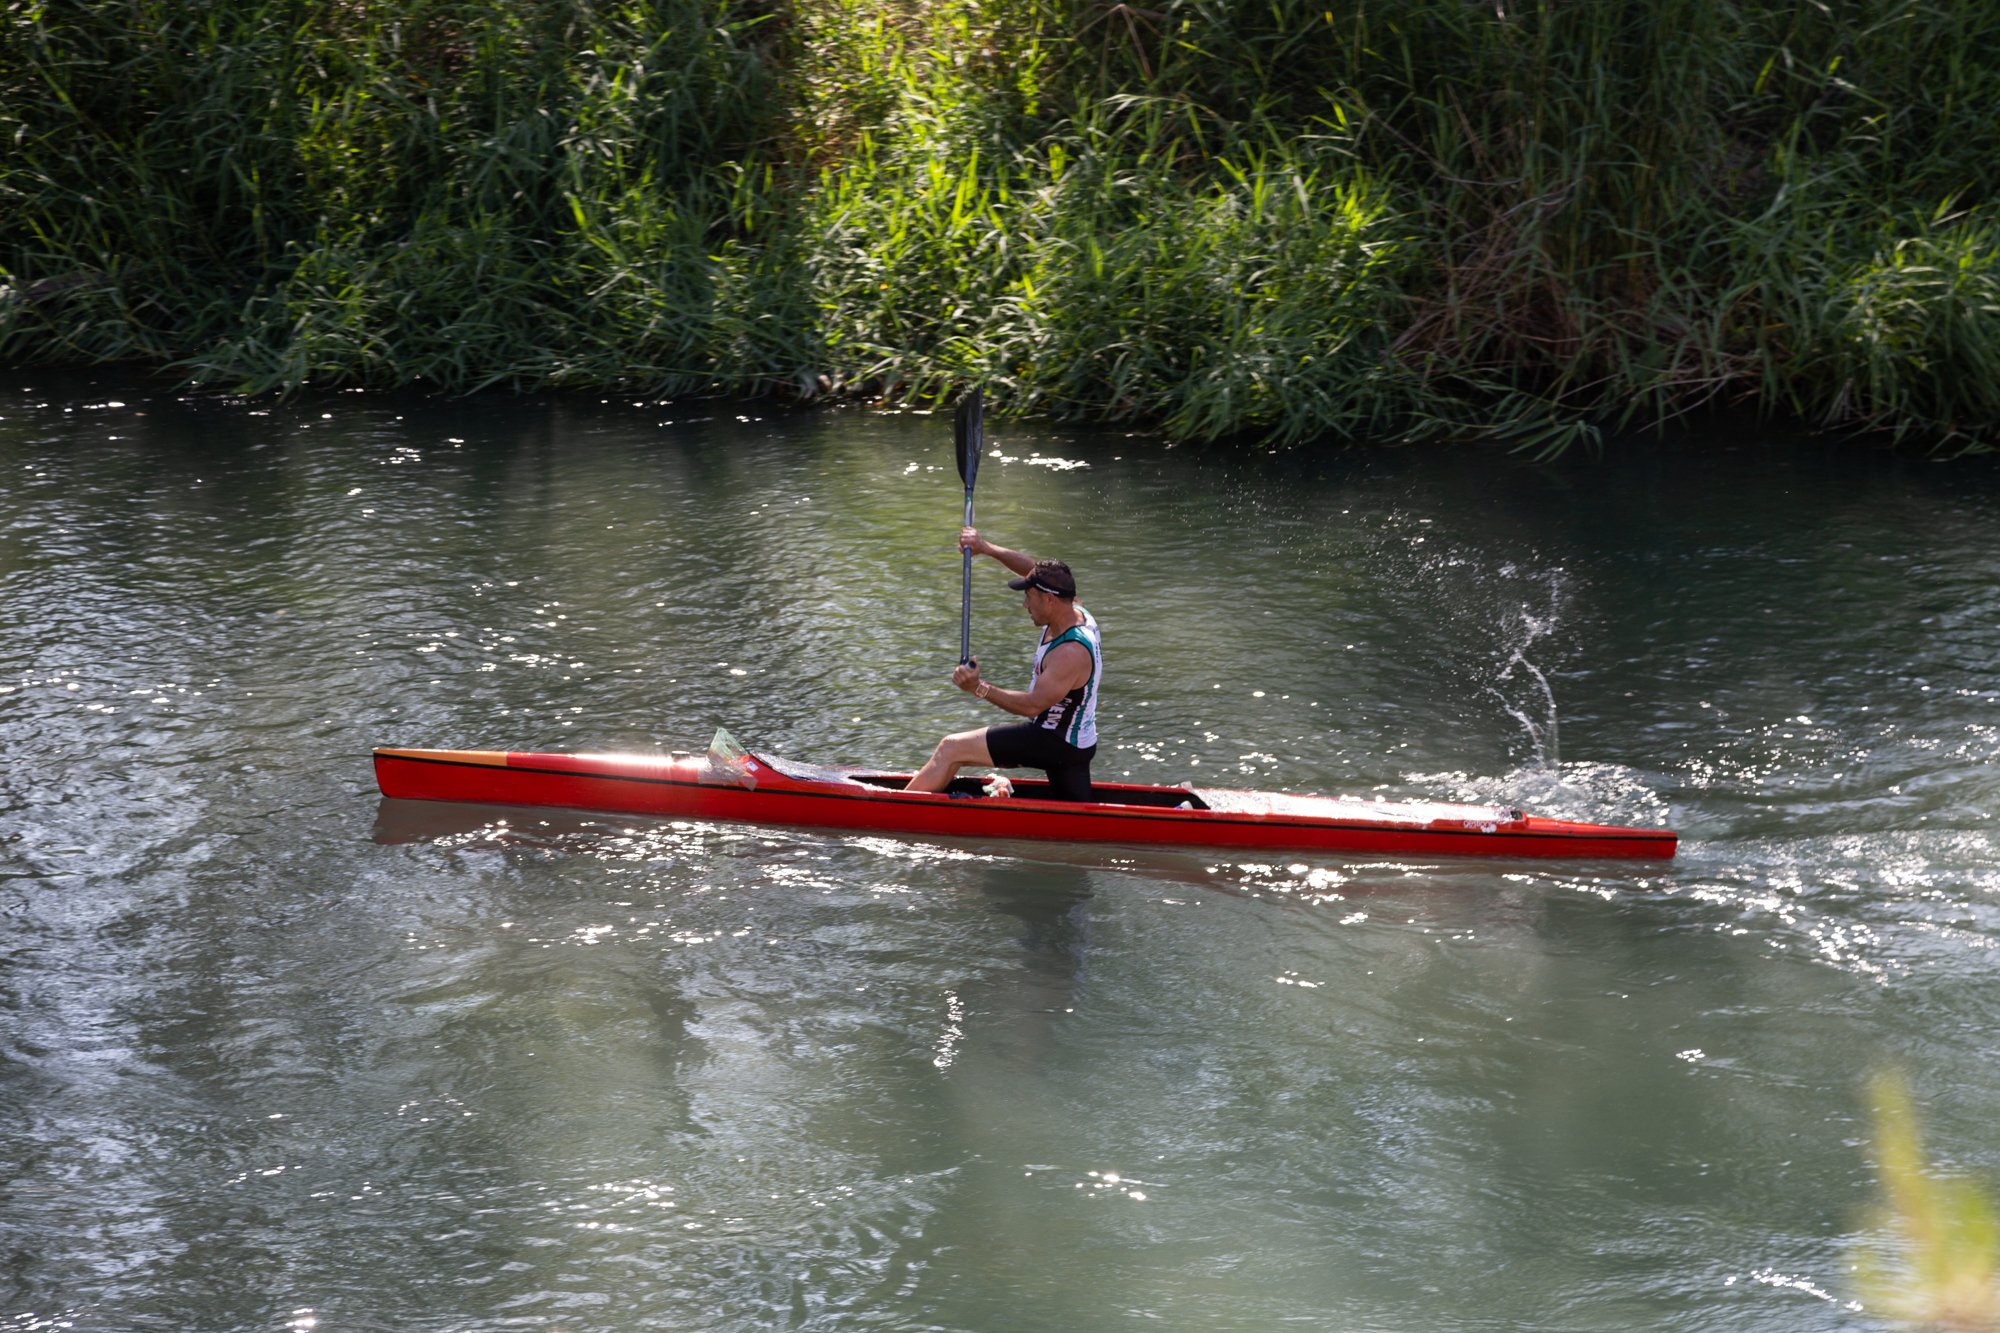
(1025, 745)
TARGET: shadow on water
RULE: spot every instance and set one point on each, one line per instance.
(1052, 903)
(1044, 884)
(1005, 1019)
(1029, 877)
(401, 823)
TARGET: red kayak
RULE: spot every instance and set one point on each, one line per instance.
(758, 789)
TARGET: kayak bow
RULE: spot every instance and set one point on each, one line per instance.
(759, 789)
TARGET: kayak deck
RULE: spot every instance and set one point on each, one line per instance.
(764, 790)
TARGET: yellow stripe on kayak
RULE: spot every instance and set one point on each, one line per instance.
(491, 758)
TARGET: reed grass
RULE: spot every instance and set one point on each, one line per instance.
(1941, 1267)
(1540, 222)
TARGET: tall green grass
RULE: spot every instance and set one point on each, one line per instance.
(1098, 280)
(1281, 220)
(1933, 1259)
(269, 194)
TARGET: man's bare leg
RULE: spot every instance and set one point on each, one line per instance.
(960, 750)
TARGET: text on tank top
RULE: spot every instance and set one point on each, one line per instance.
(1074, 716)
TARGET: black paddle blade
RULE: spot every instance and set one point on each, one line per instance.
(970, 432)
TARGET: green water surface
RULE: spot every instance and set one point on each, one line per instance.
(275, 1057)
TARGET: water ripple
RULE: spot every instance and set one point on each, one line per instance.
(265, 1063)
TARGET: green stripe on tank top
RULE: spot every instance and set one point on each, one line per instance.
(1089, 689)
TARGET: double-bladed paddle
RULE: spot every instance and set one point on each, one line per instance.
(969, 437)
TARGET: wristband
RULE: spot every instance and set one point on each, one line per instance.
(985, 688)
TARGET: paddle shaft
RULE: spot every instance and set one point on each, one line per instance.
(965, 606)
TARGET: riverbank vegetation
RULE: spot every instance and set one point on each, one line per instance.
(1940, 1265)
(1286, 219)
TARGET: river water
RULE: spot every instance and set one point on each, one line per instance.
(274, 1055)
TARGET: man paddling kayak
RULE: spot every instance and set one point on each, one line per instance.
(1061, 699)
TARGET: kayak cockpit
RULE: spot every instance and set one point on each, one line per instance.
(1283, 805)
(1037, 789)
(1024, 789)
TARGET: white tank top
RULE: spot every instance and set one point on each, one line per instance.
(1074, 716)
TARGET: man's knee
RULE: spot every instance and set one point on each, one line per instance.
(965, 747)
